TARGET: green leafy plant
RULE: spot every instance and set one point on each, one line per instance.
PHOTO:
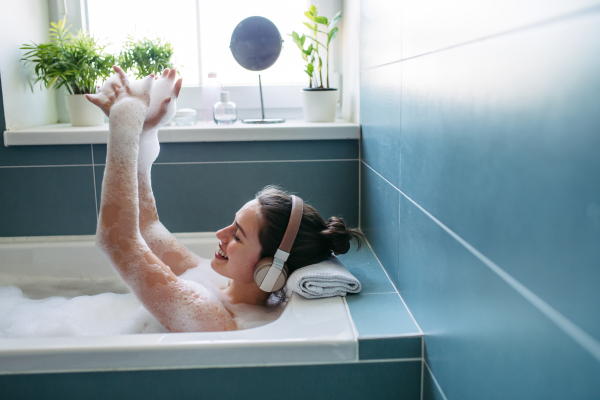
(145, 56)
(77, 62)
(311, 54)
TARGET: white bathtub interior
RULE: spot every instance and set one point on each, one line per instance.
(308, 331)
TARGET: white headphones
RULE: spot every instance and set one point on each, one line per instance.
(271, 273)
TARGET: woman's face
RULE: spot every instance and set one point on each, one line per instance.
(239, 247)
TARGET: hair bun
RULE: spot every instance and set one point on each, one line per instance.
(339, 235)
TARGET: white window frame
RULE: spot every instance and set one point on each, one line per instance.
(280, 100)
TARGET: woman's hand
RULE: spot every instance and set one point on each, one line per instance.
(114, 88)
(162, 100)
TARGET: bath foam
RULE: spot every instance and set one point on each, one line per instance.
(103, 314)
(246, 316)
(113, 314)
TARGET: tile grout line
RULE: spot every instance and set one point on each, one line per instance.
(575, 332)
(94, 176)
(191, 163)
(256, 161)
(360, 183)
(368, 294)
(248, 162)
(384, 360)
(354, 330)
(392, 336)
(533, 25)
(435, 380)
(400, 152)
(422, 364)
(394, 286)
(47, 166)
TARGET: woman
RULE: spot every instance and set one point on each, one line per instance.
(145, 254)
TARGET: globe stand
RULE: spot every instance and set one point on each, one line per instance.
(263, 120)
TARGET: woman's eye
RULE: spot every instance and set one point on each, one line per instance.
(236, 237)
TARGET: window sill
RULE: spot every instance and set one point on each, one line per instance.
(200, 132)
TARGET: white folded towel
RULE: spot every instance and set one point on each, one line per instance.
(325, 279)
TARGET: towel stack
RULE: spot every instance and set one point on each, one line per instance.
(325, 279)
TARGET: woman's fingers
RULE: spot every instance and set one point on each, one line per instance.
(97, 100)
(177, 87)
(165, 72)
(123, 78)
(172, 73)
(115, 88)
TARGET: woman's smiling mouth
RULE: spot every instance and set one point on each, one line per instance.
(220, 254)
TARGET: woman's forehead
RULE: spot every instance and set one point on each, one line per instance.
(249, 216)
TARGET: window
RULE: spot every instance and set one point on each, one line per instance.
(200, 31)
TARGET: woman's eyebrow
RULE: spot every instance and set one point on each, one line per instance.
(240, 227)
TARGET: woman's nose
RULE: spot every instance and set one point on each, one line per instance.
(224, 234)
(221, 234)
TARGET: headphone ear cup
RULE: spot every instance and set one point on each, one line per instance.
(262, 268)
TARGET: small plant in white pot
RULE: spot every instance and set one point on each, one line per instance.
(318, 100)
(77, 62)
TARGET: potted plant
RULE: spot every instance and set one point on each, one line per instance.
(76, 62)
(318, 100)
(144, 56)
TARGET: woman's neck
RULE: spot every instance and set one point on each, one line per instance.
(248, 293)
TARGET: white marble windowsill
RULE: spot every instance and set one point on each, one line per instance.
(200, 132)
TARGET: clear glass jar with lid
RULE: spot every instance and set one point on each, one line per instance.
(185, 116)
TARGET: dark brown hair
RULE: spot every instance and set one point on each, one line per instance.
(316, 239)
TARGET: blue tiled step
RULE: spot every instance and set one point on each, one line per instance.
(386, 329)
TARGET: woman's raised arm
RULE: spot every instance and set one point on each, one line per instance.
(172, 252)
(177, 304)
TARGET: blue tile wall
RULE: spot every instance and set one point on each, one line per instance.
(430, 389)
(479, 332)
(497, 139)
(205, 197)
(381, 381)
(38, 201)
(390, 348)
(380, 218)
(380, 120)
(518, 132)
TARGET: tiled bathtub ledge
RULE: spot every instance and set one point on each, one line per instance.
(200, 132)
(384, 326)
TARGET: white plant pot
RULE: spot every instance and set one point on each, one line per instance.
(318, 105)
(82, 112)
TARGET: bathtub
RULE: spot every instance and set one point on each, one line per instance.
(308, 331)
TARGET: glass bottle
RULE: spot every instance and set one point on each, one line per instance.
(210, 95)
(224, 112)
